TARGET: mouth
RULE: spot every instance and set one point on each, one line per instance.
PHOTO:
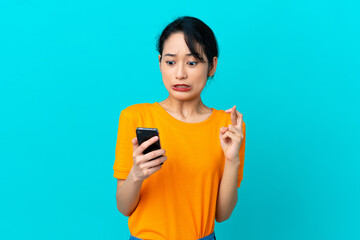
(181, 87)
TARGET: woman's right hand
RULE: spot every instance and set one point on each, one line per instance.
(143, 165)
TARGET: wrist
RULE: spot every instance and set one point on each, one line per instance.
(232, 163)
(234, 160)
(133, 178)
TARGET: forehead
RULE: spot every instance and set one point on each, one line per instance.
(175, 43)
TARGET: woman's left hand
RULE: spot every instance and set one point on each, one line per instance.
(231, 137)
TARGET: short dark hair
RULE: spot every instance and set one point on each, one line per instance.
(195, 32)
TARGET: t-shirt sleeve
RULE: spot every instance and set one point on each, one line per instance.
(242, 156)
(124, 149)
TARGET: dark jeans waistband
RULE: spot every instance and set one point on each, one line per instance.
(208, 237)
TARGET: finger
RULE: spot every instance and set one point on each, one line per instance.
(154, 169)
(149, 171)
(233, 116)
(223, 130)
(151, 155)
(235, 130)
(233, 136)
(239, 119)
(229, 132)
(154, 163)
(145, 145)
(232, 111)
(226, 137)
(229, 110)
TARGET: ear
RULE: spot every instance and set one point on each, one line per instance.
(159, 56)
(214, 65)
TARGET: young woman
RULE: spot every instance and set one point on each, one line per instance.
(203, 148)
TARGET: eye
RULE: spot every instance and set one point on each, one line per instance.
(192, 63)
(170, 62)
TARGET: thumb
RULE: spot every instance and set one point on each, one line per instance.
(135, 143)
(223, 130)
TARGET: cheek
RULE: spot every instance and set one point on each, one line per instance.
(165, 74)
(201, 72)
(201, 76)
(166, 78)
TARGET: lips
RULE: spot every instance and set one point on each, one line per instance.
(181, 87)
(177, 85)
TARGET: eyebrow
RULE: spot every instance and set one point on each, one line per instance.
(173, 55)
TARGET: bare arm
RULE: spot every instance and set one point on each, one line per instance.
(128, 190)
(128, 194)
(231, 140)
(227, 196)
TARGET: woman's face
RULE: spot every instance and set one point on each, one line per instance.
(178, 66)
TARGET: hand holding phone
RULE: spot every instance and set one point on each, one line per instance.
(144, 134)
(147, 153)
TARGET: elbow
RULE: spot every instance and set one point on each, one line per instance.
(224, 214)
(220, 219)
(126, 214)
(123, 212)
(126, 211)
(121, 209)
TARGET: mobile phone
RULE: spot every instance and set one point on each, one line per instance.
(144, 134)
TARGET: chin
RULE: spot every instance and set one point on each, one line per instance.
(189, 97)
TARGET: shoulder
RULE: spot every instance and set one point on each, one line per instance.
(135, 108)
(133, 112)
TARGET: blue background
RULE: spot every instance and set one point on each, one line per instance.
(67, 69)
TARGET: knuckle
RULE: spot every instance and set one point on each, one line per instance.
(138, 160)
(147, 173)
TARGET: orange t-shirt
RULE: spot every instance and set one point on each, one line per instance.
(178, 201)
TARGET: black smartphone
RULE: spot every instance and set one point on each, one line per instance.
(144, 134)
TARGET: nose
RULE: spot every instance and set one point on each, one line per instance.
(181, 71)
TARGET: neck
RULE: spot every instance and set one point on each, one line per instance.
(187, 109)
